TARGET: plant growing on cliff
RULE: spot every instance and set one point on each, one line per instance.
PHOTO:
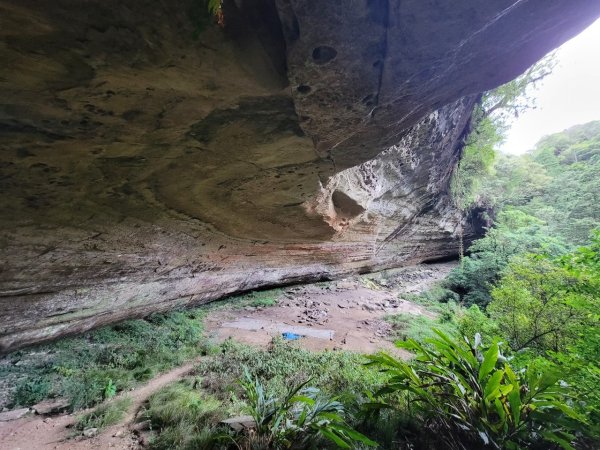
(470, 397)
(489, 122)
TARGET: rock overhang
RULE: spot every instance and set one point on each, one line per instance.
(145, 169)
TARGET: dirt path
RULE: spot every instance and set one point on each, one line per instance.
(39, 432)
(339, 315)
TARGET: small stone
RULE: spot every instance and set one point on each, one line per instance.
(13, 414)
(141, 426)
(90, 432)
(239, 423)
(119, 433)
(51, 406)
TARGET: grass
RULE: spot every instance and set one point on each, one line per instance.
(187, 414)
(186, 417)
(435, 299)
(91, 368)
(284, 363)
(438, 300)
(105, 415)
(418, 327)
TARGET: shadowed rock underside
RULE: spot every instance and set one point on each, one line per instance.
(148, 163)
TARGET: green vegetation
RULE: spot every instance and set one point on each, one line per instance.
(271, 386)
(468, 396)
(104, 415)
(419, 327)
(339, 374)
(526, 282)
(186, 417)
(303, 417)
(95, 366)
(263, 299)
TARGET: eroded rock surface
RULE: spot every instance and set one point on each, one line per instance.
(146, 164)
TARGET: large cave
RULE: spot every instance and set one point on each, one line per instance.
(152, 159)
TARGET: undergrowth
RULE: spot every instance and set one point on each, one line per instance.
(93, 367)
(282, 364)
(187, 415)
(104, 415)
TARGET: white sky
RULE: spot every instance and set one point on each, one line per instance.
(569, 96)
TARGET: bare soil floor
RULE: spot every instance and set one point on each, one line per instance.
(339, 315)
(56, 432)
(346, 314)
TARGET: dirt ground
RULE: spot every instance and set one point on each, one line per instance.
(54, 432)
(339, 315)
(346, 314)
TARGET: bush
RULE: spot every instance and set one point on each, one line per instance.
(418, 327)
(299, 419)
(472, 320)
(31, 391)
(469, 397)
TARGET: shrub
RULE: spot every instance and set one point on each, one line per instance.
(31, 391)
(470, 397)
(299, 419)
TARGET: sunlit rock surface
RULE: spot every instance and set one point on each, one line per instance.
(147, 164)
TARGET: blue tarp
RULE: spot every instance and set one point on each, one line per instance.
(290, 336)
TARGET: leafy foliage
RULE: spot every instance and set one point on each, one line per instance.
(299, 418)
(470, 397)
(558, 182)
(515, 232)
(537, 304)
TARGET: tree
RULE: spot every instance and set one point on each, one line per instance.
(515, 232)
(489, 123)
(536, 305)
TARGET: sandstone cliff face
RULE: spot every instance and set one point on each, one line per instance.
(144, 169)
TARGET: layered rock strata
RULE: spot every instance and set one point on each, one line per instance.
(151, 160)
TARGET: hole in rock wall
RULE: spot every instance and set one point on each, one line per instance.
(303, 89)
(345, 206)
(323, 54)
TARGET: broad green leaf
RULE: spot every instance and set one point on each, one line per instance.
(553, 437)
(514, 399)
(489, 361)
(332, 436)
(492, 386)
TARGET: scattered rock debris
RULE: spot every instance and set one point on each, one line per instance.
(352, 310)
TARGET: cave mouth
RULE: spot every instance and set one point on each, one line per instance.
(345, 206)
